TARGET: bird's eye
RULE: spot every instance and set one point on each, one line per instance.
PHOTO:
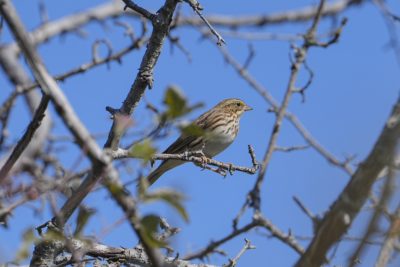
(238, 104)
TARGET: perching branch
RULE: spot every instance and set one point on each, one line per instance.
(199, 159)
(291, 117)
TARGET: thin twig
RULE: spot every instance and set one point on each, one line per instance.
(197, 8)
(145, 13)
(247, 246)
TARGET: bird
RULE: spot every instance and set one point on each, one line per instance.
(219, 126)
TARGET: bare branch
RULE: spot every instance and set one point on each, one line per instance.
(197, 8)
(372, 225)
(145, 13)
(144, 77)
(198, 158)
(295, 15)
(26, 138)
(258, 221)
(247, 246)
(300, 56)
(348, 204)
(292, 118)
(134, 256)
(390, 240)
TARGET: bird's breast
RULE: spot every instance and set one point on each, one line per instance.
(219, 140)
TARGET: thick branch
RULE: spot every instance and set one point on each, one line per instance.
(144, 77)
(134, 256)
(346, 207)
(49, 86)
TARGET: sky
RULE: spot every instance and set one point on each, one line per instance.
(355, 85)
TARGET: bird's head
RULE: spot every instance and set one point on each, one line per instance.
(234, 105)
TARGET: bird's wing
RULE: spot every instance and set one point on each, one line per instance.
(185, 140)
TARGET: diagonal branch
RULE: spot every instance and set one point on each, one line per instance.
(101, 163)
(142, 11)
(26, 138)
(291, 117)
(300, 57)
(348, 204)
(144, 77)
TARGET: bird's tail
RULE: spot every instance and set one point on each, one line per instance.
(164, 167)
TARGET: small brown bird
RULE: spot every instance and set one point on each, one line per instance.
(220, 125)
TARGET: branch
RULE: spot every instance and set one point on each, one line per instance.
(130, 4)
(26, 138)
(117, 56)
(134, 256)
(390, 240)
(100, 162)
(291, 117)
(70, 23)
(348, 204)
(198, 158)
(14, 70)
(49, 86)
(300, 56)
(144, 77)
(380, 207)
(295, 15)
(195, 5)
(257, 221)
(247, 246)
(211, 248)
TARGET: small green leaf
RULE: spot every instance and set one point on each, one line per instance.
(149, 226)
(28, 238)
(192, 130)
(143, 150)
(171, 197)
(141, 187)
(176, 102)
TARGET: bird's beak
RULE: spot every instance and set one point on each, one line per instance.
(248, 108)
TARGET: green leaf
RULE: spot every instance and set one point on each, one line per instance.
(143, 150)
(141, 187)
(148, 229)
(28, 238)
(172, 198)
(176, 102)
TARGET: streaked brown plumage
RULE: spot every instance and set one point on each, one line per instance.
(220, 125)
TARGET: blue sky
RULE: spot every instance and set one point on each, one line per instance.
(356, 83)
